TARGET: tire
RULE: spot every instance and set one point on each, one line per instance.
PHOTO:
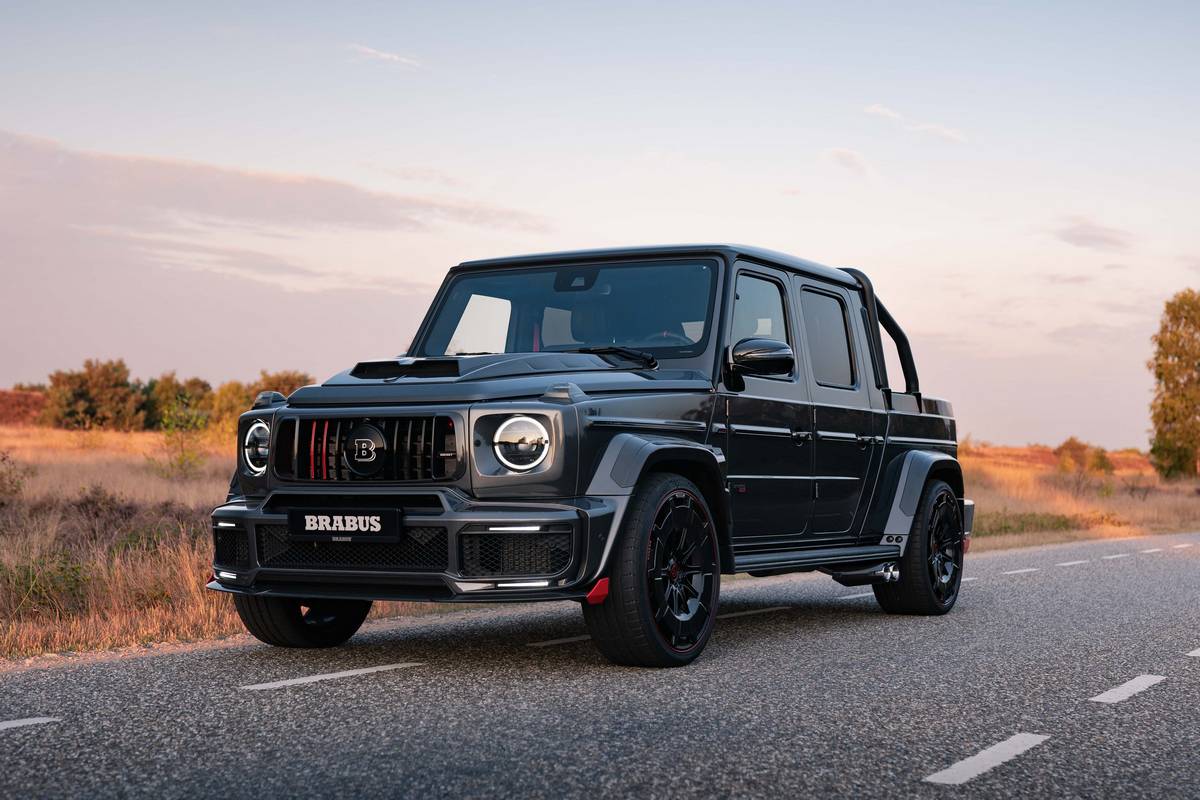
(931, 567)
(664, 580)
(287, 622)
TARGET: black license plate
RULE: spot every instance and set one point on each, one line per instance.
(344, 525)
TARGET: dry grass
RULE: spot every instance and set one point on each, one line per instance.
(1021, 499)
(100, 550)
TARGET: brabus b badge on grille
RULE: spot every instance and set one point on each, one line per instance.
(366, 450)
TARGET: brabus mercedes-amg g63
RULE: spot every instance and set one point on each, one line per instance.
(615, 427)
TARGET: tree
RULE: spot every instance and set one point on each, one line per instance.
(232, 398)
(286, 381)
(182, 423)
(1175, 410)
(98, 396)
(166, 391)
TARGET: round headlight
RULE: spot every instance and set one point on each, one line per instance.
(256, 448)
(521, 443)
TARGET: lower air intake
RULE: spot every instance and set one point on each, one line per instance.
(423, 549)
(514, 555)
(231, 548)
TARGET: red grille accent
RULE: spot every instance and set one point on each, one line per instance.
(312, 450)
(325, 452)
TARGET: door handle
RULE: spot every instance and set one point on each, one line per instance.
(800, 437)
(863, 441)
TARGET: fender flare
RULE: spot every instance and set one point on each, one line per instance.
(631, 455)
(914, 469)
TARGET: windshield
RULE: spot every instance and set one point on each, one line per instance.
(660, 307)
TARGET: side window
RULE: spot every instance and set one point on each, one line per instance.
(483, 327)
(828, 338)
(758, 310)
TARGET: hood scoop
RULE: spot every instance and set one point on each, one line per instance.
(406, 368)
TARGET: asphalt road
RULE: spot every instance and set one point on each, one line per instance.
(805, 687)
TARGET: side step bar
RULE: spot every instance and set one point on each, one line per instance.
(796, 560)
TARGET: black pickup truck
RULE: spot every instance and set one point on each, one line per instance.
(614, 427)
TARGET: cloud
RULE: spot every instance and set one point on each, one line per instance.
(158, 194)
(932, 128)
(161, 214)
(1191, 262)
(1116, 267)
(1084, 232)
(883, 111)
(419, 175)
(1067, 279)
(940, 131)
(848, 159)
(372, 54)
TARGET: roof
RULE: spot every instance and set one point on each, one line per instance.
(763, 255)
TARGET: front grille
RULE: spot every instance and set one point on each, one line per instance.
(231, 548)
(410, 449)
(493, 555)
(419, 549)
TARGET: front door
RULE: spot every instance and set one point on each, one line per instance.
(847, 431)
(768, 424)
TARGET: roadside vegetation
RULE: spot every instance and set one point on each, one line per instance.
(100, 547)
(106, 483)
(1038, 495)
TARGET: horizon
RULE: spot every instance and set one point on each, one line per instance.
(216, 196)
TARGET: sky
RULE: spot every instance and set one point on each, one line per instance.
(220, 188)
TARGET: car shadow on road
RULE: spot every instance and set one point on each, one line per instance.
(556, 636)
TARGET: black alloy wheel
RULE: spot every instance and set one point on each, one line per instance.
(931, 567)
(945, 547)
(680, 565)
(664, 578)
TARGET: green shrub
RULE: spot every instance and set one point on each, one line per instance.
(100, 395)
(12, 478)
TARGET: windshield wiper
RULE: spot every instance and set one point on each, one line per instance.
(615, 349)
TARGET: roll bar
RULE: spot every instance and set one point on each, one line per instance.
(879, 317)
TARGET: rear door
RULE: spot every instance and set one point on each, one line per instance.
(848, 432)
(769, 423)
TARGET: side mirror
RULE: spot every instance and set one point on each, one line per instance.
(763, 357)
(269, 399)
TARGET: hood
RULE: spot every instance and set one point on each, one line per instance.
(504, 376)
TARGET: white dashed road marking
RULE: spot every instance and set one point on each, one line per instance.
(964, 580)
(755, 611)
(1020, 571)
(987, 759)
(856, 596)
(21, 723)
(1115, 555)
(1153, 550)
(1072, 563)
(1180, 546)
(1128, 689)
(1195, 653)
(567, 640)
(328, 676)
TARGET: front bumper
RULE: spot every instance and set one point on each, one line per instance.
(468, 550)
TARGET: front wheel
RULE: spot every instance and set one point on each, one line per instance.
(931, 568)
(665, 580)
(285, 622)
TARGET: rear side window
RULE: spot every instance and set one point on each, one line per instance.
(758, 310)
(828, 338)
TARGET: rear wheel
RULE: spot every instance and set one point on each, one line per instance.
(665, 579)
(931, 568)
(286, 622)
